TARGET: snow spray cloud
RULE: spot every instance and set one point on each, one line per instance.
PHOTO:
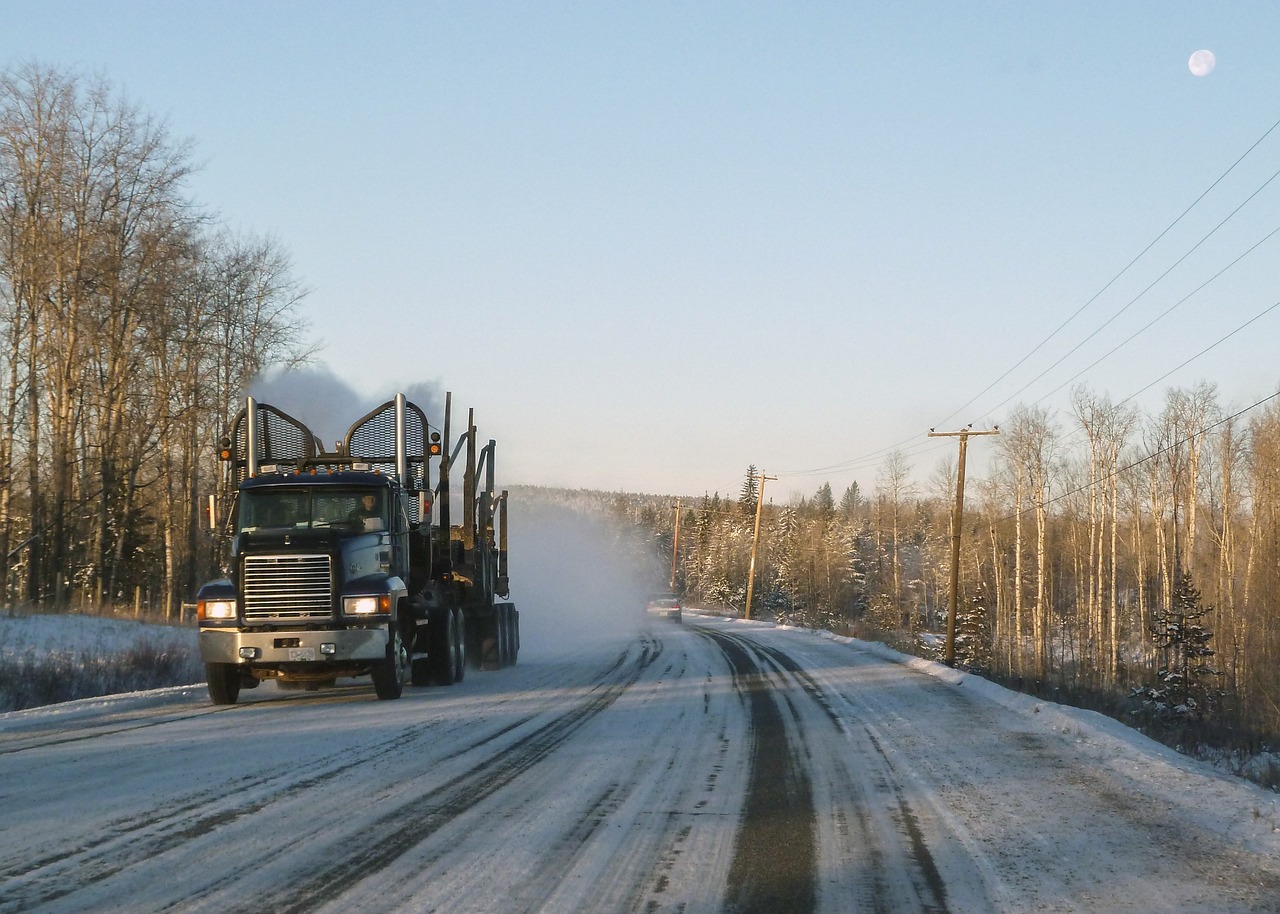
(327, 405)
(574, 578)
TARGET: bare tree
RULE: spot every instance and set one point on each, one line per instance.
(893, 486)
(131, 333)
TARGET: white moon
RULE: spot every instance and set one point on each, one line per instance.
(1202, 63)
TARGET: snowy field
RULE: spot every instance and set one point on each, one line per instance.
(52, 658)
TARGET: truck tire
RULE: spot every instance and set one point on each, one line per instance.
(388, 675)
(444, 649)
(504, 635)
(460, 646)
(507, 626)
(224, 682)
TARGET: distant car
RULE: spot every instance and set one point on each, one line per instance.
(666, 605)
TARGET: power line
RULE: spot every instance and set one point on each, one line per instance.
(914, 448)
(1076, 431)
(1208, 348)
(1141, 460)
(1163, 315)
(1133, 300)
(1113, 279)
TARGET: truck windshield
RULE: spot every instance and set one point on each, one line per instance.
(355, 509)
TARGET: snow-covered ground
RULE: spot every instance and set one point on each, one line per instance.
(626, 764)
(53, 658)
(713, 766)
(53, 634)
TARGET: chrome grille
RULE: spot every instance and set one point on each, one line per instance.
(290, 587)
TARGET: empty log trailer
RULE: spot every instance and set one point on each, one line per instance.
(336, 568)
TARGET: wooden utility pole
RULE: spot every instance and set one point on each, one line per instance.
(675, 548)
(755, 540)
(957, 517)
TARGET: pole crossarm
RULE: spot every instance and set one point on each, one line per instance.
(957, 519)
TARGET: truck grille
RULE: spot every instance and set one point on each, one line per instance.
(292, 587)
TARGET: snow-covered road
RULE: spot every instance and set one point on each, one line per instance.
(715, 766)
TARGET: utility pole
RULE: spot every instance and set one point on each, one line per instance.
(957, 517)
(755, 540)
(675, 548)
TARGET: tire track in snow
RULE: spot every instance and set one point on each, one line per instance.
(57, 872)
(45, 875)
(931, 886)
(18, 742)
(380, 842)
(872, 831)
(773, 870)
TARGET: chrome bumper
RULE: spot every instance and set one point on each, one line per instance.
(223, 646)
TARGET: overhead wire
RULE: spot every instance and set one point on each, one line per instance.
(914, 447)
(1165, 314)
(1208, 348)
(1115, 278)
(1149, 287)
(1106, 477)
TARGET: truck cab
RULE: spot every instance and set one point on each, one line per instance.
(318, 585)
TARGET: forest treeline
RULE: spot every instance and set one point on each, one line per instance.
(1119, 559)
(132, 321)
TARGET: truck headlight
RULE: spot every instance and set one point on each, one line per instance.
(366, 606)
(215, 610)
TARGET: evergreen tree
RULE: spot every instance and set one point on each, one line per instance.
(1185, 673)
(750, 492)
(824, 505)
(973, 633)
(851, 503)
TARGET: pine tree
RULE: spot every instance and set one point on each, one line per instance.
(1185, 675)
(851, 503)
(750, 492)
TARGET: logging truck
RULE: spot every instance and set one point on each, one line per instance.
(350, 563)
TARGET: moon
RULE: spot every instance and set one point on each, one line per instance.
(1202, 63)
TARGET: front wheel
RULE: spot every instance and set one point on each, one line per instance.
(224, 682)
(388, 675)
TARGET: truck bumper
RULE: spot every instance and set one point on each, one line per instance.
(271, 648)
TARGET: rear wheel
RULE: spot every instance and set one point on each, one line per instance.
(459, 646)
(506, 639)
(444, 649)
(508, 626)
(388, 675)
(224, 682)
(499, 653)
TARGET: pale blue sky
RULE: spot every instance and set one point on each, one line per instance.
(653, 243)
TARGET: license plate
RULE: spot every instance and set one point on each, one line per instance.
(302, 653)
